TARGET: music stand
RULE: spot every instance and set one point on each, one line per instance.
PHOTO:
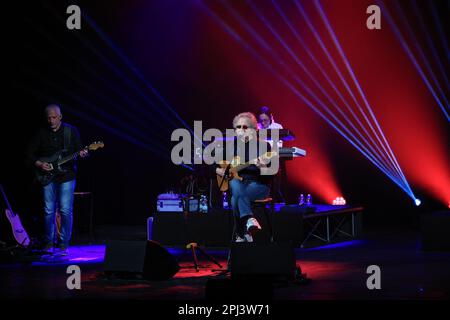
(193, 246)
(233, 234)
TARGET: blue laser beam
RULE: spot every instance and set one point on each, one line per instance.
(240, 40)
(412, 57)
(338, 72)
(97, 94)
(111, 65)
(139, 75)
(281, 62)
(419, 48)
(358, 86)
(441, 34)
(323, 91)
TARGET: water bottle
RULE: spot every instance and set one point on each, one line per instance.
(150, 228)
(308, 200)
(225, 201)
(301, 200)
(203, 204)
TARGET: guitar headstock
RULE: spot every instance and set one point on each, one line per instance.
(96, 145)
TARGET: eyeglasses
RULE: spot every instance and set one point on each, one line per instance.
(241, 127)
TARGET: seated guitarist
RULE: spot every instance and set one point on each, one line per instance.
(254, 184)
(56, 137)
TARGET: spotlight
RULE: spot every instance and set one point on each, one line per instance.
(417, 201)
(339, 201)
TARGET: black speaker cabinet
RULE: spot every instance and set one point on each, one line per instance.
(139, 258)
(272, 260)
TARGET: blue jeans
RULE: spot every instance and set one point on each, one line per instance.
(62, 194)
(243, 193)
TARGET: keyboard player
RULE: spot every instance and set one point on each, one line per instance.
(266, 121)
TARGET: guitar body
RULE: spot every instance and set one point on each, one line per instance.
(232, 173)
(233, 169)
(222, 182)
(19, 232)
(45, 177)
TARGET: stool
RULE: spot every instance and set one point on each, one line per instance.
(262, 203)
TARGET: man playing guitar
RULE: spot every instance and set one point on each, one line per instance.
(251, 184)
(58, 191)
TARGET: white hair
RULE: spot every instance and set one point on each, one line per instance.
(248, 115)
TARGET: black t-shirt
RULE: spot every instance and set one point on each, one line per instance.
(47, 142)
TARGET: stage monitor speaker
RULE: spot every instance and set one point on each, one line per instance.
(271, 260)
(147, 259)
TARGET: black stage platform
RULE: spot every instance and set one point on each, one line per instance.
(303, 226)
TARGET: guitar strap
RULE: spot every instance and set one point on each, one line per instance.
(67, 134)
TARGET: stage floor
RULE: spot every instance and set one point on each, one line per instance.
(337, 272)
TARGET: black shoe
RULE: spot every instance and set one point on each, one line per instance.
(62, 250)
(48, 248)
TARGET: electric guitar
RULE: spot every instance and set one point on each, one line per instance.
(57, 160)
(232, 169)
(19, 232)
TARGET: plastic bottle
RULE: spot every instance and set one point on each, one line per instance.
(301, 200)
(308, 200)
(203, 204)
(225, 201)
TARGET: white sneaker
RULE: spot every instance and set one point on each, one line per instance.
(247, 238)
(252, 225)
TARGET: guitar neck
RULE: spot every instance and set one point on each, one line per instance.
(69, 157)
(245, 165)
(242, 166)
(6, 199)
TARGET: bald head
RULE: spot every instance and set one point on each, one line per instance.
(52, 107)
(54, 116)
